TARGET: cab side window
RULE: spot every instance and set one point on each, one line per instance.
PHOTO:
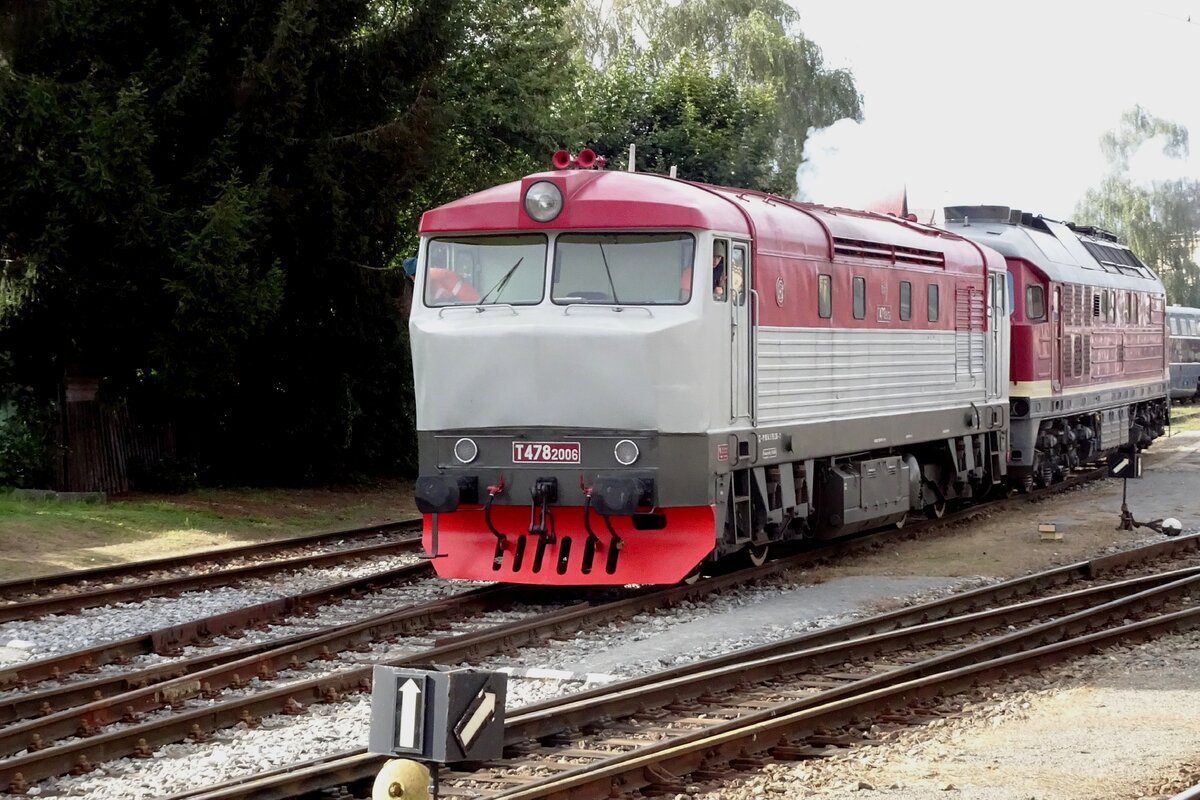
(720, 272)
(737, 275)
(1035, 303)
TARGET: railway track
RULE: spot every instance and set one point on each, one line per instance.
(780, 701)
(73, 591)
(43, 720)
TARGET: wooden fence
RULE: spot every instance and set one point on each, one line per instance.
(99, 444)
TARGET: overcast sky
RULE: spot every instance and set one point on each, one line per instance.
(1001, 102)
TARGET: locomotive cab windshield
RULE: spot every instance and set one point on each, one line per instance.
(640, 269)
(480, 270)
(623, 269)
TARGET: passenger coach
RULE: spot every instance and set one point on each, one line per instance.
(620, 376)
(1183, 328)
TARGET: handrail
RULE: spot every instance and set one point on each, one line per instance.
(477, 308)
(617, 309)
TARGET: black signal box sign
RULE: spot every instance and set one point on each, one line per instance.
(438, 714)
(1125, 463)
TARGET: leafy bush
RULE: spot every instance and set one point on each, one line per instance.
(167, 476)
(26, 447)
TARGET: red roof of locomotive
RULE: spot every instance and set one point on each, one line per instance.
(592, 199)
(641, 200)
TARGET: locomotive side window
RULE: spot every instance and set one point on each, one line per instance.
(481, 270)
(720, 271)
(905, 300)
(737, 275)
(624, 269)
(1035, 303)
(860, 298)
(932, 297)
(824, 296)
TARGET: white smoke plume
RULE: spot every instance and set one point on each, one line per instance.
(852, 165)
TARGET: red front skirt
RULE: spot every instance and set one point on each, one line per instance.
(469, 550)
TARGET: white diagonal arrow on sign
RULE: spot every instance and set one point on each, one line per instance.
(410, 709)
(471, 727)
(1121, 465)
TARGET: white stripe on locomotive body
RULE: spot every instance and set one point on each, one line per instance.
(1045, 388)
(813, 374)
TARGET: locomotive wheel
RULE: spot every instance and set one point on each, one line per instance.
(1026, 484)
(1045, 474)
(936, 510)
(692, 577)
(757, 554)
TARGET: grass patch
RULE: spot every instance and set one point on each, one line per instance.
(1185, 417)
(42, 536)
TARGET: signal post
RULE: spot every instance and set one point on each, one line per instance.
(432, 716)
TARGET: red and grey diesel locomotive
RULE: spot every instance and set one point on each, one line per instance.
(622, 376)
(1088, 363)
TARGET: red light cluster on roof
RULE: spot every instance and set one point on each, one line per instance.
(587, 159)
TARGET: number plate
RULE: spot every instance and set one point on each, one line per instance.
(545, 452)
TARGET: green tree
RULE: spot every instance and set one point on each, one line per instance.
(199, 204)
(756, 44)
(505, 103)
(688, 117)
(1159, 219)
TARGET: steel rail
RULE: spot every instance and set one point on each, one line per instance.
(212, 555)
(237, 669)
(134, 592)
(771, 728)
(358, 767)
(167, 641)
(673, 686)
(79, 754)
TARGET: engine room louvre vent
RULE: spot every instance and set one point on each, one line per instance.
(890, 253)
(1116, 259)
(1073, 304)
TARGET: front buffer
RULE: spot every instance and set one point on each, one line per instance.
(577, 546)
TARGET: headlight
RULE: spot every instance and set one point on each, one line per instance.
(626, 452)
(543, 201)
(465, 450)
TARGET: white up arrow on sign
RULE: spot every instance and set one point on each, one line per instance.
(410, 712)
(482, 711)
(1121, 465)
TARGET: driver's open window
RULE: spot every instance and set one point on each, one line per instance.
(720, 270)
